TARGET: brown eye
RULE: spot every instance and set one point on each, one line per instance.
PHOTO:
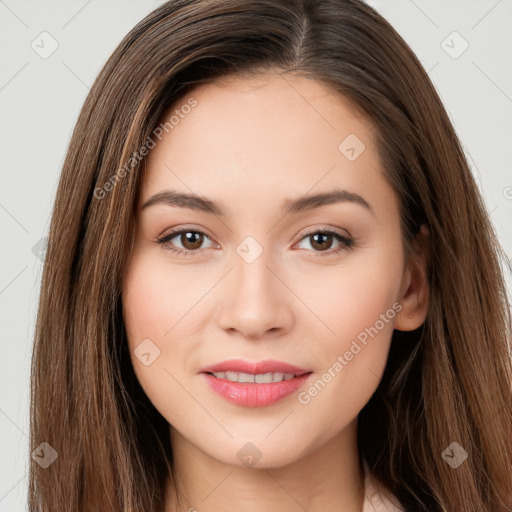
(321, 241)
(190, 241)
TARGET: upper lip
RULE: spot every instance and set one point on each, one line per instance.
(254, 368)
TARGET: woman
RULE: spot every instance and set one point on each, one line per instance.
(271, 282)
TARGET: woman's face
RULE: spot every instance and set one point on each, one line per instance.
(255, 279)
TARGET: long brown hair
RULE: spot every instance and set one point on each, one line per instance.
(449, 381)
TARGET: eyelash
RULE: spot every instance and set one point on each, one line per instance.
(347, 242)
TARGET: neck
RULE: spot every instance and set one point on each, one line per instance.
(329, 476)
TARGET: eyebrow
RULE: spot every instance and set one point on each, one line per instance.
(290, 206)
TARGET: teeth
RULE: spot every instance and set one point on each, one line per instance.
(233, 376)
(245, 377)
(263, 378)
(260, 378)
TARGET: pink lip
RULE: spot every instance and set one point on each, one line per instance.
(251, 394)
(267, 366)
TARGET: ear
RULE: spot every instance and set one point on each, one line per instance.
(414, 289)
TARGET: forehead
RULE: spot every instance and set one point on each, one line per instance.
(267, 135)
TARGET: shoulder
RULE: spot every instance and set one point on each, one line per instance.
(374, 499)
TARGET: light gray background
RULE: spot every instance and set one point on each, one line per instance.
(40, 99)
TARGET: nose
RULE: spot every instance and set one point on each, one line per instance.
(255, 301)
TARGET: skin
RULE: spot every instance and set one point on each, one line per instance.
(249, 144)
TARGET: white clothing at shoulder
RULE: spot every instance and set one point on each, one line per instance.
(374, 501)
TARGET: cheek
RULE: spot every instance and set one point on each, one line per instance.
(357, 308)
(157, 308)
(144, 303)
(350, 298)
(158, 299)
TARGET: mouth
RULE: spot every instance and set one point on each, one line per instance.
(254, 384)
(259, 378)
(248, 369)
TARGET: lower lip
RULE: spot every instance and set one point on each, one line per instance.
(250, 394)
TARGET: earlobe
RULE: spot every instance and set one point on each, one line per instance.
(414, 296)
